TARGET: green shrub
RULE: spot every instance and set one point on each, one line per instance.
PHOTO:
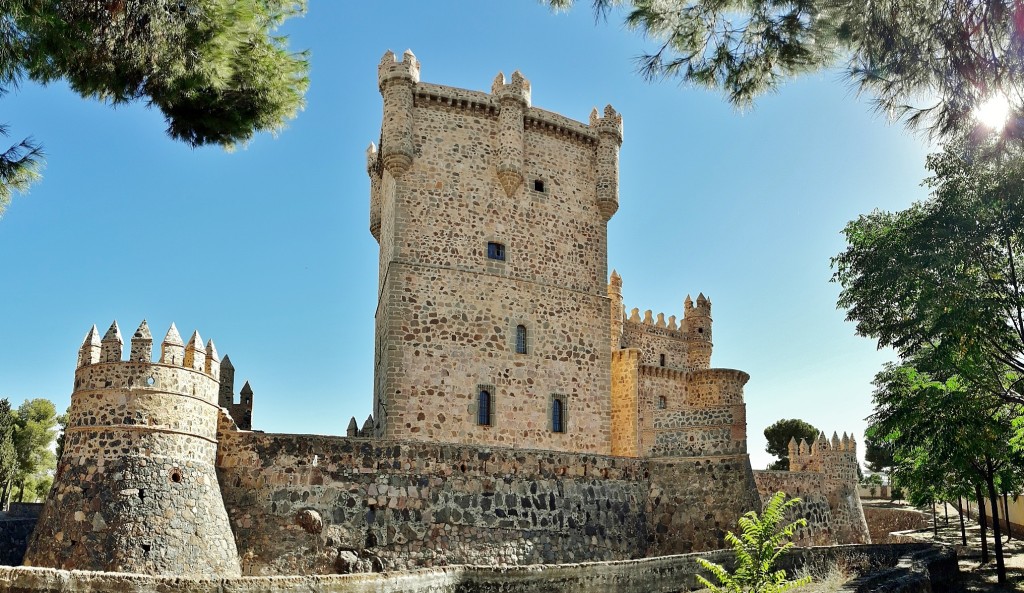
(760, 544)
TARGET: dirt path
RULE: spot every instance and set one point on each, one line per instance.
(974, 575)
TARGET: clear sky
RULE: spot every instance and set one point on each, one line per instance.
(267, 249)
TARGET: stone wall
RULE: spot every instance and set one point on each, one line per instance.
(904, 569)
(882, 521)
(694, 502)
(813, 506)
(14, 534)
(318, 505)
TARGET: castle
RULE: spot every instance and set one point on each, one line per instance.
(520, 416)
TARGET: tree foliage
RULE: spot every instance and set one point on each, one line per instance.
(8, 453)
(943, 277)
(214, 68)
(762, 541)
(34, 436)
(931, 63)
(779, 435)
(878, 456)
(947, 438)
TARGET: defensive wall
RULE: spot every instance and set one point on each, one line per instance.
(302, 504)
(903, 568)
(824, 476)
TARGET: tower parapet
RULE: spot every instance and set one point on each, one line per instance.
(137, 468)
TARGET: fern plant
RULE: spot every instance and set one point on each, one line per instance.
(762, 541)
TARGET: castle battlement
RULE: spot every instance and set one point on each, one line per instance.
(173, 352)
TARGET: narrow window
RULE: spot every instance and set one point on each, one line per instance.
(662, 360)
(520, 339)
(662, 403)
(496, 251)
(538, 185)
(484, 408)
(557, 415)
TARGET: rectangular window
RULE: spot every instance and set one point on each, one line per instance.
(662, 360)
(557, 413)
(496, 251)
(485, 405)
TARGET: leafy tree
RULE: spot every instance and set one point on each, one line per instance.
(946, 437)
(33, 438)
(930, 63)
(944, 276)
(779, 435)
(214, 68)
(762, 541)
(8, 454)
(878, 456)
(62, 423)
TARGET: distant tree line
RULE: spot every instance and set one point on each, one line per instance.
(27, 456)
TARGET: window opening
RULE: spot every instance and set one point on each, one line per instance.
(496, 251)
(557, 415)
(662, 360)
(538, 185)
(662, 402)
(484, 408)
(521, 339)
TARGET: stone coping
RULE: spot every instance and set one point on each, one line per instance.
(915, 567)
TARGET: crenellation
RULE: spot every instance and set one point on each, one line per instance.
(90, 351)
(112, 345)
(141, 349)
(172, 349)
(195, 353)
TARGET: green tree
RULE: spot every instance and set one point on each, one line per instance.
(8, 454)
(762, 541)
(779, 435)
(214, 68)
(945, 274)
(33, 438)
(929, 63)
(946, 437)
(878, 456)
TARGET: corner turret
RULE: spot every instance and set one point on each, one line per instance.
(609, 140)
(615, 309)
(396, 81)
(697, 330)
(138, 461)
(373, 170)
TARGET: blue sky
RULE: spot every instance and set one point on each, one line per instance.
(266, 249)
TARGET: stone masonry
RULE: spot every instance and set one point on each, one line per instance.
(520, 415)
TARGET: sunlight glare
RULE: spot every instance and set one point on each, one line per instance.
(994, 112)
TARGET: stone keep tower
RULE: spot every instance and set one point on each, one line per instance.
(135, 489)
(491, 215)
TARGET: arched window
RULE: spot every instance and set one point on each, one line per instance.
(520, 339)
(557, 415)
(483, 406)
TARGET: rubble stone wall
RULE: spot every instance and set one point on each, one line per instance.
(303, 504)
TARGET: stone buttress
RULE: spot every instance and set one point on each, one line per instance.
(135, 489)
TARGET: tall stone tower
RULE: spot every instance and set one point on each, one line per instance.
(135, 488)
(491, 215)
